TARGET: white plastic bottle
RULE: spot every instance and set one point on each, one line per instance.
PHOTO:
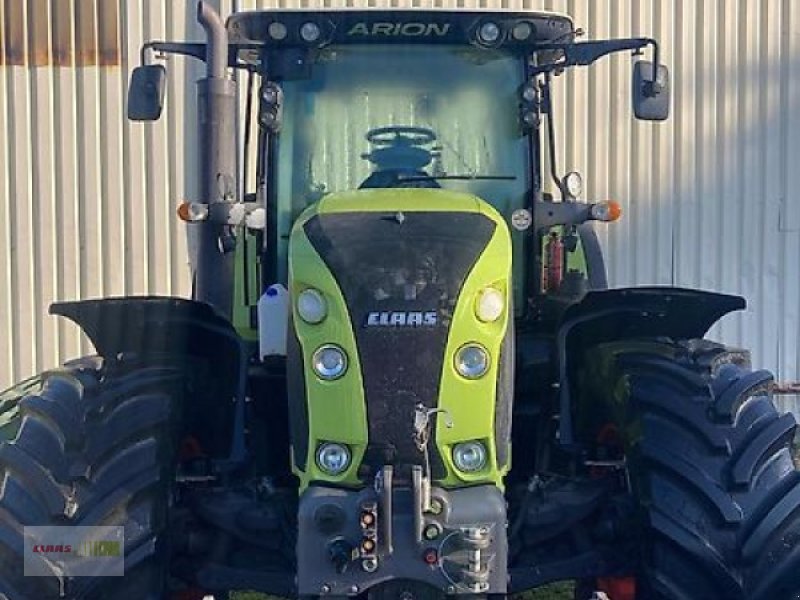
(273, 321)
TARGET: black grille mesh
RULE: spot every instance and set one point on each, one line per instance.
(392, 267)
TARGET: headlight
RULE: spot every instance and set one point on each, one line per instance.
(489, 32)
(469, 456)
(277, 30)
(573, 184)
(311, 306)
(522, 31)
(329, 362)
(333, 458)
(310, 32)
(472, 361)
(490, 305)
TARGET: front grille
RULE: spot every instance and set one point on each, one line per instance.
(401, 276)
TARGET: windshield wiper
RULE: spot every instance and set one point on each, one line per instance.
(457, 177)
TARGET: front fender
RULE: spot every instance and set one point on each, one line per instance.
(181, 332)
(627, 313)
(152, 325)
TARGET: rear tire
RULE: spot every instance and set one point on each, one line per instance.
(711, 466)
(94, 446)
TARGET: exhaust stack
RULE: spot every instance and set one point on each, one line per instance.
(214, 265)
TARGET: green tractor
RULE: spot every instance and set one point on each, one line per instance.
(401, 374)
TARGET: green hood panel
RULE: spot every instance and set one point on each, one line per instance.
(336, 409)
(353, 259)
(404, 199)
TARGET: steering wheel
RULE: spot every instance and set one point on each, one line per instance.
(400, 135)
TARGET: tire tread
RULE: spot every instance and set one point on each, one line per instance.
(94, 448)
(713, 470)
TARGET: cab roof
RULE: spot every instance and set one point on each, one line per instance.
(282, 28)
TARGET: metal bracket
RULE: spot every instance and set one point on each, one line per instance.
(421, 478)
(585, 53)
(237, 214)
(422, 419)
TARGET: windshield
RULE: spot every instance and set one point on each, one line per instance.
(379, 116)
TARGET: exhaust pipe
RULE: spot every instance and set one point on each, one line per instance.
(213, 269)
(216, 40)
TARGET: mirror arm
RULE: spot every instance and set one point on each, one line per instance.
(653, 87)
(151, 51)
(585, 53)
(194, 49)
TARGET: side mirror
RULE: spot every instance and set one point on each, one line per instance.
(146, 92)
(651, 96)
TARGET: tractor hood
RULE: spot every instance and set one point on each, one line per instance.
(400, 271)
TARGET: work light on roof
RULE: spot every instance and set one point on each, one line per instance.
(489, 32)
(277, 30)
(522, 31)
(310, 32)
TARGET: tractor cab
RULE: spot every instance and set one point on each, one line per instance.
(391, 99)
(348, 100)
(339, 100)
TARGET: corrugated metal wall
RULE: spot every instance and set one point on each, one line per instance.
(87, 199)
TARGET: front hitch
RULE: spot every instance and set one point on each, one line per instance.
(457, 546)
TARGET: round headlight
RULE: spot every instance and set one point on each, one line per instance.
(277, 30)
(329, 362)
(573, 184)
(489, 32)
(472, 361)
(469, 456)
(522, 31)
(529, 93)
(490, 305)
(333, 458)
(310, 32)
(311, 306)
